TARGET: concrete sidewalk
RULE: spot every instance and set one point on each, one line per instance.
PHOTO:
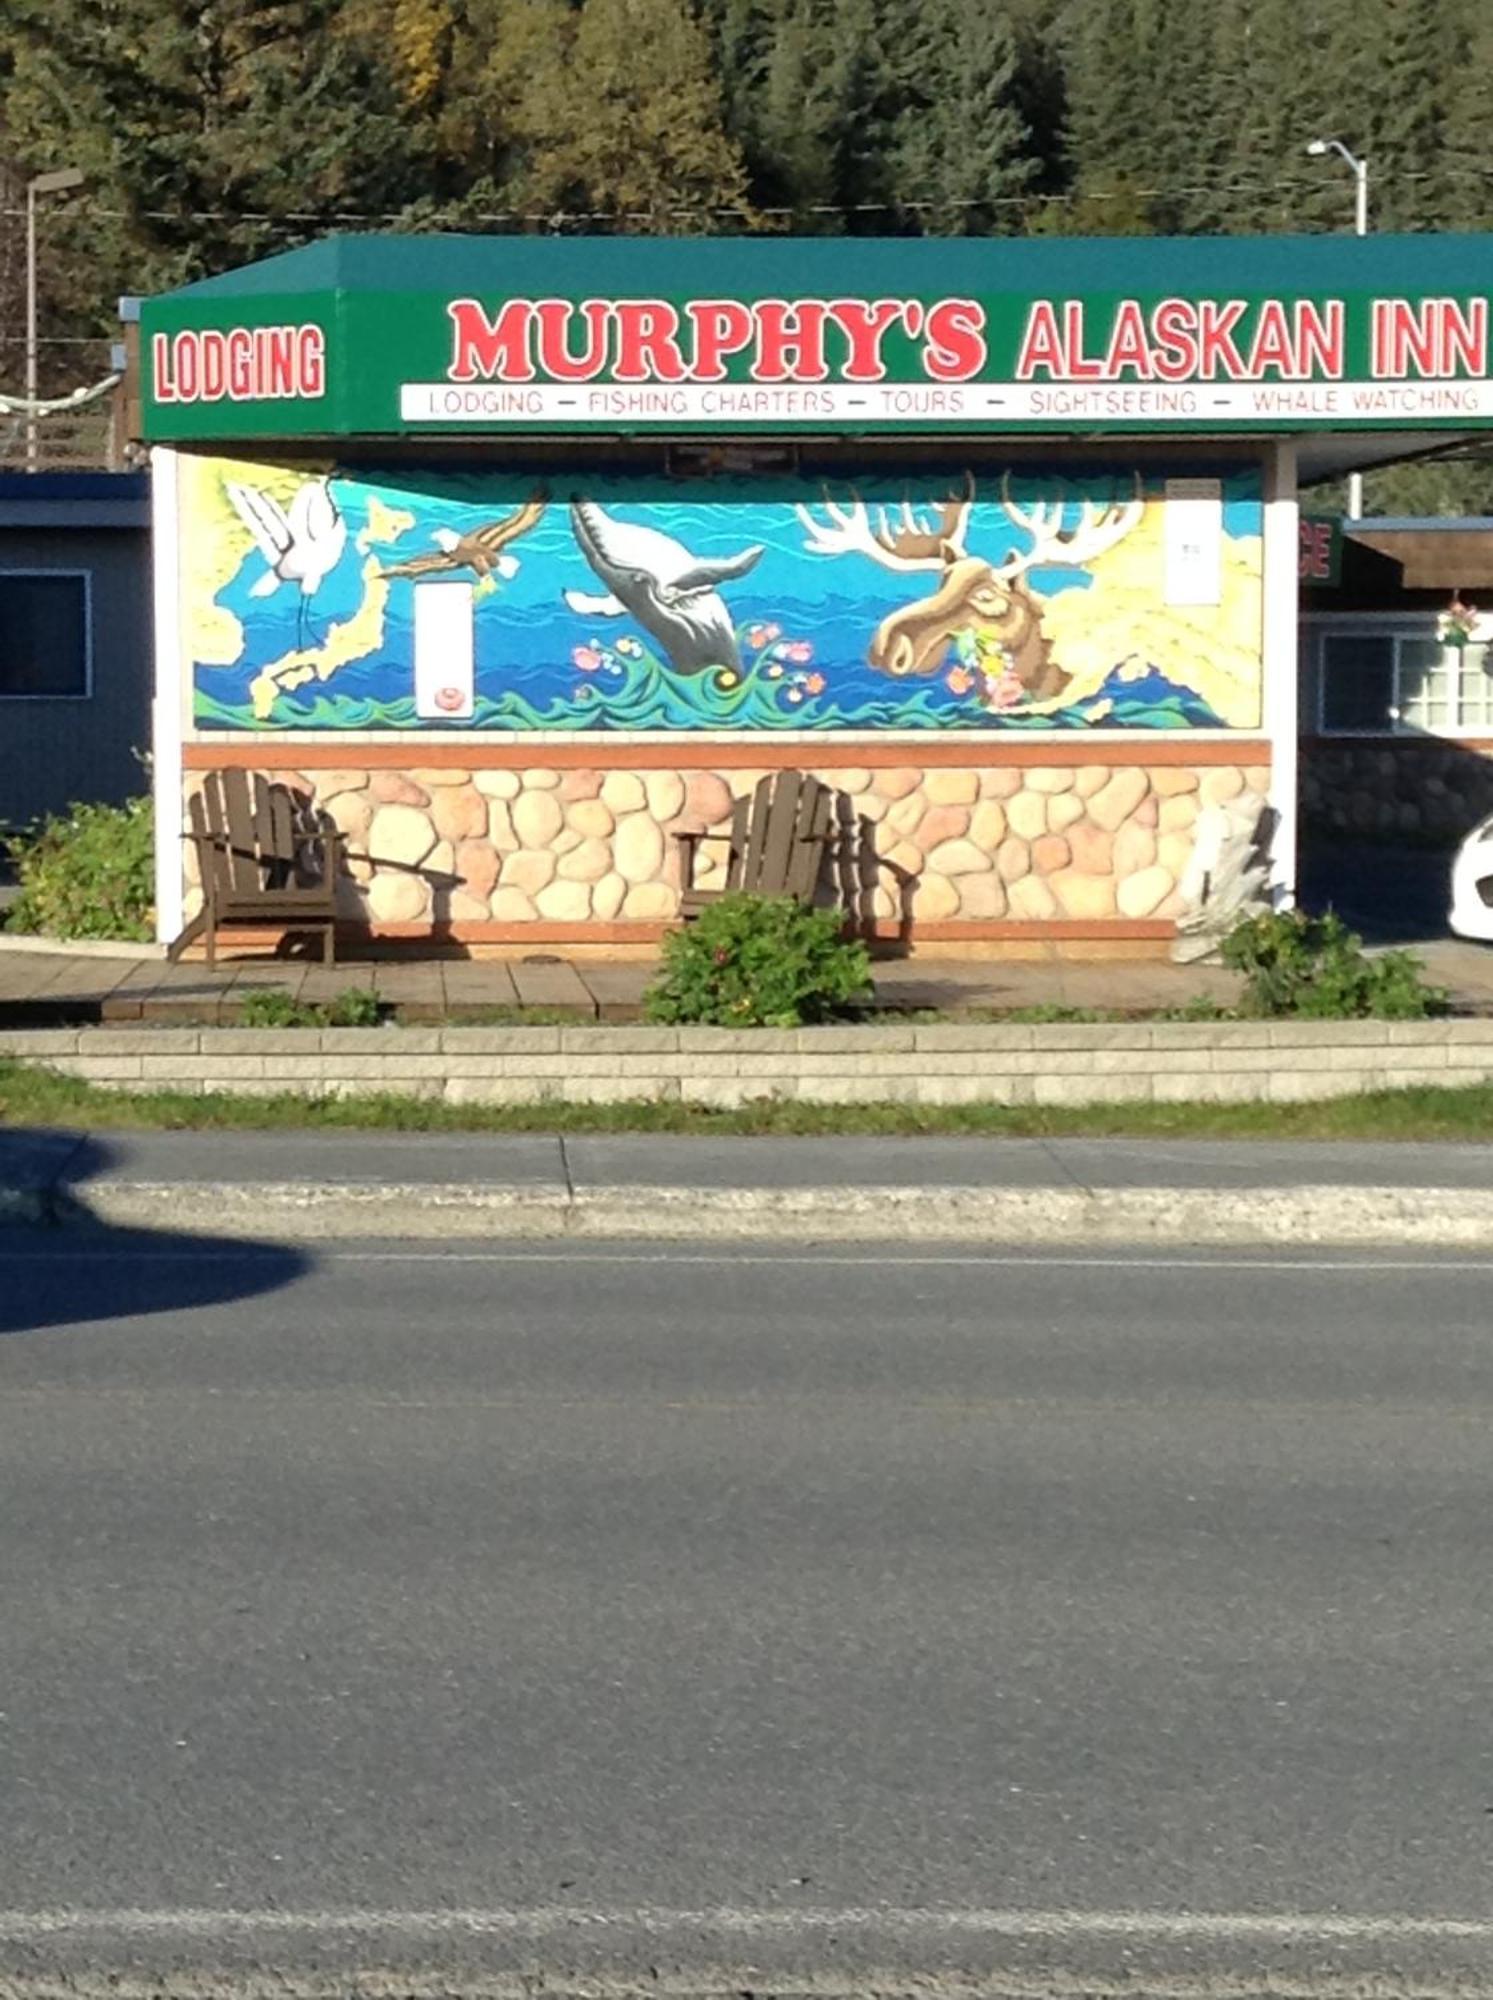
(284, 1186)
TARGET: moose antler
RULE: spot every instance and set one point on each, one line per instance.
(908, 542)
(1097, 529)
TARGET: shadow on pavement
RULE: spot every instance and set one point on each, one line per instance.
(88, 1270)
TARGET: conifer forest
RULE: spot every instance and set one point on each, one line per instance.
(215, 131)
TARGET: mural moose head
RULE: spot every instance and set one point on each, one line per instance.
(989, 599)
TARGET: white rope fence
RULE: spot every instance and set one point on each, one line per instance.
(51, 406)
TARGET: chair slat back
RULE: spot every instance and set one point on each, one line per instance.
(206, 812)
(810, 833)
(736, 856)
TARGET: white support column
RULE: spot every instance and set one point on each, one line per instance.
(1282, 558)
(169, 702)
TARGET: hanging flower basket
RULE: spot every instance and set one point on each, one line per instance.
(1457, 625)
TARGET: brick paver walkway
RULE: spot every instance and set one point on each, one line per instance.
(38, 989)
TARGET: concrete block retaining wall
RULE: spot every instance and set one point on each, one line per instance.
(1142, 1062)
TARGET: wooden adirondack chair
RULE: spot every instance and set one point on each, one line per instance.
(776, 843)
(263, 861)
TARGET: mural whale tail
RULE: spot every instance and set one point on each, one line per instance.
(674, 595)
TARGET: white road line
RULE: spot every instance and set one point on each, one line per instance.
(1140, 1926)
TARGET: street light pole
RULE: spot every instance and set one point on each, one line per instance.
(56, 182)
(1360, 170)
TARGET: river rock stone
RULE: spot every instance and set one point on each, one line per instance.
(398, 899)
(586, 863)
(958, 857)
(1063, 810)
(330, 783)
(540, 778)
(400, 833)
(1134, 849)
(1141, 894)
(1170, 781)
(564, 902)
(941, 823)
(1055, 780)
(623, 792)
(580, 785)
(951, 788)
(982, 897)
(1031, 899)
(537, 818)
(477, 865)
(590, 818)
(393, 788)
(987, 825)
(1113, 804)
(1027, 815)
(1221, 785)
(707, 798)
(649, 902)
(638, 848)
(499, 784)
(1093, 848)
(607, 897)
(528, 870)
(1002, 782)
(500, 826)
(437, 776)
(459, 812)
(665, 794)
(897, 781)
(933, 897)
(1050, 852)
(512, 905)
(1013, 860)
(1088, 898)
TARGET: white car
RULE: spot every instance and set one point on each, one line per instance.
(1471, 914)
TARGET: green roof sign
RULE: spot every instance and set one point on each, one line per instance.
(385, 337)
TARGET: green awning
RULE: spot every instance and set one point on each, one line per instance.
(385, 337)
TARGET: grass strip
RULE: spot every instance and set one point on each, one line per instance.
(32, 1096)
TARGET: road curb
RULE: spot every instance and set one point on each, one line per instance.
(1041, 1216)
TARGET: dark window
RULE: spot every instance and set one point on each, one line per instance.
(1358, 679)
(43, 634)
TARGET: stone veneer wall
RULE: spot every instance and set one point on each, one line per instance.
(1082, 842)
(1418, 788)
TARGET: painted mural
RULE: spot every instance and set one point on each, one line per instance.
(953, 601)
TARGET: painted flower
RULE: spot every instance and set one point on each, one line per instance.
(799, 651)
(1006, 692)
(959, 680)
(757, 637)
(630, 648)
(773, 671)
(814, 683)
(770, 632)
(450, 699)
(587, 658)
(794, 695)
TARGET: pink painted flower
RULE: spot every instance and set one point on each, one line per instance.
(586, 658)
(757, 636)
(770, 632)
(814, 683)
(799, 651)
(959, 680)
(1007, 692)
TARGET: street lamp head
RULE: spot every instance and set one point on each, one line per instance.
(1317, 147)
(57, 182)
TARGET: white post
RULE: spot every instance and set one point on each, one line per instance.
(1282, 562)
(1361, 228)
(172, 668)
(31, 362)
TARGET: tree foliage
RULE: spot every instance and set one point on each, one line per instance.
(214, 131)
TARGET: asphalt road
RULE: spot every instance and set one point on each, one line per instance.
(705, 1622)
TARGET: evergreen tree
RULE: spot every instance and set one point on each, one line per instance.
(957, 158)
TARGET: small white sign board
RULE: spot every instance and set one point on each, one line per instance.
(1193, 539)
(444, 651)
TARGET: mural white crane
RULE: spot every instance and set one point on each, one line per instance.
(302, 547)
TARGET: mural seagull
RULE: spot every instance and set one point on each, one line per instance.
(301, 547)
(482, 551)
(672, 594)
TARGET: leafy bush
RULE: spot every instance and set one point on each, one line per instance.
(87, 873)
(274, 1007)
(758, 962)
(1317, 969)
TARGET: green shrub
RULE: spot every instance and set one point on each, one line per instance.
(274, 1007)
(87, 873)
(1317, 969)
(758, 962)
